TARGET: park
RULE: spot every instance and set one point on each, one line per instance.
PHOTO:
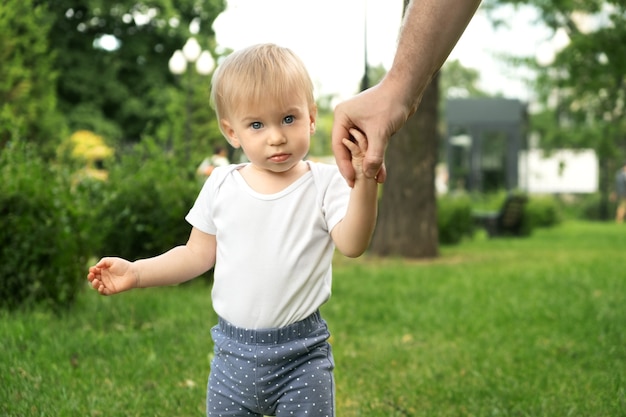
(494, 282)
(494, 327)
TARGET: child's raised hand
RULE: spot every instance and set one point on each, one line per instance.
(112, 275)
(357, 145)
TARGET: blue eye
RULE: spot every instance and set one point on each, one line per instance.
(256, 125)
(289, 119)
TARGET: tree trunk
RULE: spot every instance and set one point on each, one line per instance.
(407, 221)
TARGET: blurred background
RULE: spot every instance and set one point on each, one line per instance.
(106, 131)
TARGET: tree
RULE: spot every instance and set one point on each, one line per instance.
(407, 223)
(112, 59)
(459, 81)
(27, 78)
(582, 90)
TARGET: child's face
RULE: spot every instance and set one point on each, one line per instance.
(275, 136)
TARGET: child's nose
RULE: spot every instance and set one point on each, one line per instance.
(276, 137)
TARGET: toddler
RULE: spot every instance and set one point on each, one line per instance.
(269, 227)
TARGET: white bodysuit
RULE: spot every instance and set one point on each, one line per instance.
(274, 251)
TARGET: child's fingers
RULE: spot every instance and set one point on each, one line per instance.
(359, 138)
(357, 133)
(104, 263)
(352, 147)
(93, 272)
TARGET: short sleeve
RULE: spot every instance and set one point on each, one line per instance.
(201, 214)
(336, 196)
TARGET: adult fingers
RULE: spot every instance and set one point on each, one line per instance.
(382, 174)
(374, 157)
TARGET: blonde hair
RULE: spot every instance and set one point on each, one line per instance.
(256, 74)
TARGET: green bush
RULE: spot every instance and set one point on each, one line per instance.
(590, 207)
(42, 247)
(542, 211)
(539, 211)
(143, 207)
(454, 218)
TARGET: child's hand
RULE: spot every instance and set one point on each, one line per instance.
(357, 145)
(112, 275)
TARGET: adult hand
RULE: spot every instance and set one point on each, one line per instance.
(430, 29)
(378, 114)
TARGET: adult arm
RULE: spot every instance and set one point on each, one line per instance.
(429, 32)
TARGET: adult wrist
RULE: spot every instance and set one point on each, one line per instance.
(407, 96)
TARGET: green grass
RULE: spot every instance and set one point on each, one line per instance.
(508, 327)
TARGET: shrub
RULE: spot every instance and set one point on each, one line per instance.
(42, 250)
(142, 211)
(542, 211)
(494, 203)
(590, 207)
(454, 218)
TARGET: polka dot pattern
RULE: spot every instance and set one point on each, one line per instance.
(275, 372)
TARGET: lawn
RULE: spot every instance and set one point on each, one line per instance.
(504, 327)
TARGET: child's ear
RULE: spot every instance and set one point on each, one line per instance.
(313, 118)
(230, 133)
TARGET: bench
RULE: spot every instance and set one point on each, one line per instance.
(509, 220)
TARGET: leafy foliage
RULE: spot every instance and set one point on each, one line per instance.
(27, 76)
(117, 91)
(143, 205)
(586, 83)
(582, 91)
(459, 81)
(53, 220)
(542, 211)
(586, 207)
(454, 218)
(43, 233)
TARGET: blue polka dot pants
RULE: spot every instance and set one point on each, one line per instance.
(274, 372)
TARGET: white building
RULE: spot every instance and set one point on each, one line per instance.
(563, 171)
